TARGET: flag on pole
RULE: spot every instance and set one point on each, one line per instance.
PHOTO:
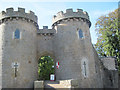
(57, 65)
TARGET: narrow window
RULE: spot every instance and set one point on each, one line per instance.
(17, 34)
(85, 71)
(84, 67)
(80, 33)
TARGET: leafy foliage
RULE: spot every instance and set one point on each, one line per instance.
(108, 30)
(45, 67)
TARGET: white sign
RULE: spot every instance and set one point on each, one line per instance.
(52, 77)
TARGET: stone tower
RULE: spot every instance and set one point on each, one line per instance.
(73, 47)
(18, 48)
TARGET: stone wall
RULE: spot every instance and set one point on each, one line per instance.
(45, 42)
(21, 51)
(98, 70)
(109, 63)
(106, 71)
(109, 72)
(110, 78)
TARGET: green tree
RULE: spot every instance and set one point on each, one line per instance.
(108, 30)
(45, 67)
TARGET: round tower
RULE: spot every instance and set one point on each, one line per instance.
(72, 46)
(18, 48)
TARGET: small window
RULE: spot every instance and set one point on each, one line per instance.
(17, 34)
(80, 33)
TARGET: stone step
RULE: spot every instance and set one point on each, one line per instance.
(51, 82)
(54, 85)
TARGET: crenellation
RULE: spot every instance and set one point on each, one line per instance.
(54, 16)
(2, 13)
(85, 13)
(70, 14)
(9, 10)
(69, 11)
(59, 13)
(45, 31)
(21, 10)
(20, 13)
(31, 12)
(79, 10)
(45, 27)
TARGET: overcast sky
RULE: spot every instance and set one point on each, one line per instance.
(45, 10)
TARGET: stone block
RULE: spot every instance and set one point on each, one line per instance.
(38, 85)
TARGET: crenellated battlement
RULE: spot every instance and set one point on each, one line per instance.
(79, 14)
(10, 13)
(45, 31)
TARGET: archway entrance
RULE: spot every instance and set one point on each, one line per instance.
(45, 67)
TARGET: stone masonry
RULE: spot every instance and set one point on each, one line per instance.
(68, 42)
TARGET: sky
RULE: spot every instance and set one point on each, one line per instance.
(45, 10)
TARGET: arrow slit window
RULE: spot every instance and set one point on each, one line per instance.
(17, 34)
(84, 67)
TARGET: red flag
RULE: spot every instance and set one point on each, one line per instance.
(57, 65)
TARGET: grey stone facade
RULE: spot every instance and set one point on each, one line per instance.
(76, 55)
